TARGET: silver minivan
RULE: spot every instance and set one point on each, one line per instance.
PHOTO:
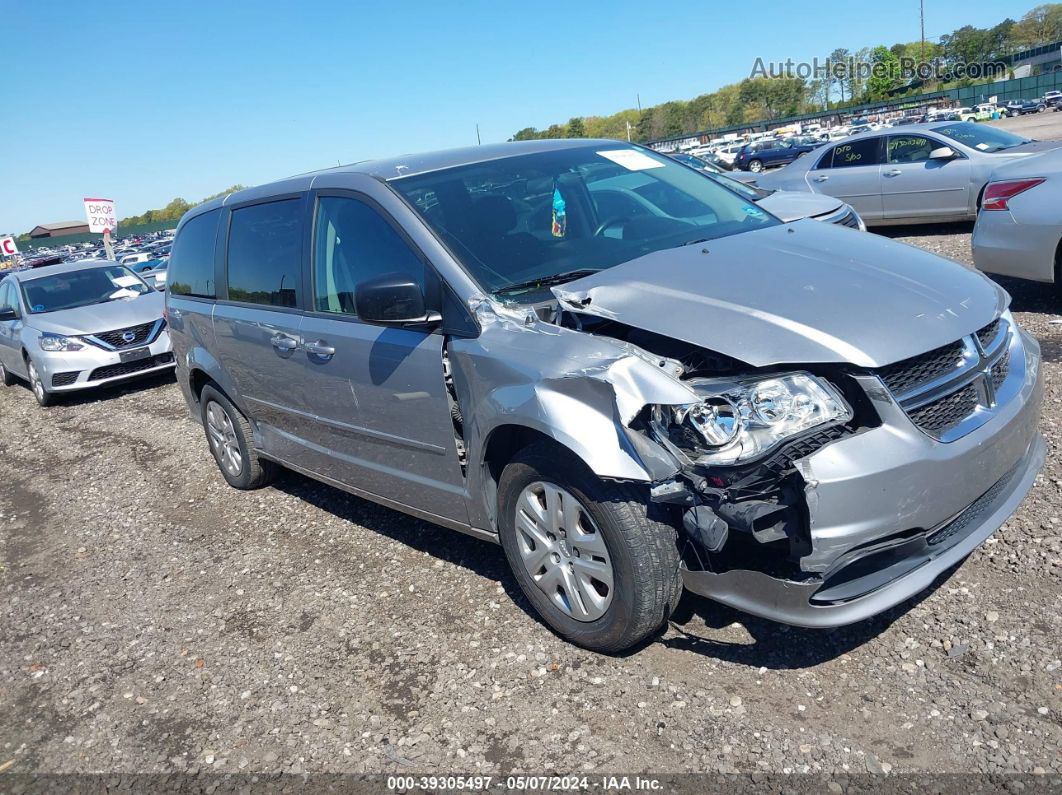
(634, 386)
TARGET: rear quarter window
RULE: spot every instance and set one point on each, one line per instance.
(191, 269)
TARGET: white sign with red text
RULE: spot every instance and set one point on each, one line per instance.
(8, 247)
(100, 214)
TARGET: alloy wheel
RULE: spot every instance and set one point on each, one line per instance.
(35, 382)
(223, 440)
(563, 551)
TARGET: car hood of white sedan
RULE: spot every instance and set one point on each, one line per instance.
(95, 318)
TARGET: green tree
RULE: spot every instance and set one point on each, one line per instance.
(576, 128)
(885, 72)
(527, 134)
(1041, 25)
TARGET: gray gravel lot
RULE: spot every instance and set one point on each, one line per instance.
(153, 619)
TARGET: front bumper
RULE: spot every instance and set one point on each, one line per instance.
(891, 509)
(90, 367)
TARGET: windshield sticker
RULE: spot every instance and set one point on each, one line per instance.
(754, 212)
(38, 307)
(982, 146)
(126, 281)
(631, 159)
(560, 214)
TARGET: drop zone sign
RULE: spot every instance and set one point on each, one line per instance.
(100, 214)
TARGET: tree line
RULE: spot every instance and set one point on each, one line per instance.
(766, 98)
(172, 211)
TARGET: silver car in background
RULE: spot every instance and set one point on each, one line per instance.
(924, 173)
(1019, 226)
(79, 325)
(786, 205)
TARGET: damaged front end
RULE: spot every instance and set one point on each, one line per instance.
(809, 495)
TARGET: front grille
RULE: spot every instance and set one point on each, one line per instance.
(918, 370)
(942, 388)
(1000, 371)
(850, 220)
(986, 335)
(140, 335)
(942, 415)
(130, 368)
(64, 379)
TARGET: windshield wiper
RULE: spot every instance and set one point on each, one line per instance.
(547, 280)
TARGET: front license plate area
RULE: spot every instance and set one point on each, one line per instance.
(134, 355)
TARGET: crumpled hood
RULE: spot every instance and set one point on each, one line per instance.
(800, 293)
(791, 205)
(113, 315)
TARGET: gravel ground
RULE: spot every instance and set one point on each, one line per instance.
(153, 619)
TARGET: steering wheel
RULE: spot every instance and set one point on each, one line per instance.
(601, 227)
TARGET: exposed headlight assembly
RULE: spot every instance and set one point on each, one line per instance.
(57, 342)
(740, 420)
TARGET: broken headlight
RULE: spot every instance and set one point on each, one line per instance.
(739, 420)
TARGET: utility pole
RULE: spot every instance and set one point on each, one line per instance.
(478, 141)
(628, 132)
(922, 21)
(107, 244)
(639, 96)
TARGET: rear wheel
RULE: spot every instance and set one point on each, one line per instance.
(43, 396)
(6, 379)
(589, 555)
(230, 438)
(756, 166)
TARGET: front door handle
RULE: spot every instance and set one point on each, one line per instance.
(893, 172)
(282, 343)
(318, 348)
(820, 178)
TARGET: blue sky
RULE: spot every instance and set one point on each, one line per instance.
(143, 102)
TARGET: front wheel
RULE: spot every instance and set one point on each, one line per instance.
(588, 554)
(756, 166)
(43, 396)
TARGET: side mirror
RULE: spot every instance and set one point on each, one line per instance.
(394, 299)
(942, 153)
(7, 313)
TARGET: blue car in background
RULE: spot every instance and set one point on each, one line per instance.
(757, 156)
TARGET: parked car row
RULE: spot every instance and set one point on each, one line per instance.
(925, 173)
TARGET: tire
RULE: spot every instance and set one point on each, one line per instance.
(229, 437)
(617, 529)
(40, 392)
(6, 379)
(755, 166)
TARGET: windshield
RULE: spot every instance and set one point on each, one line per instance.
(981, 137)
(536, 216)
(81, 288)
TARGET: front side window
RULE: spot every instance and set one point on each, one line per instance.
(263, 253)
(192, 257)
(909, 148)
(547, 214)
(863, 152)
(353, 243)
(7, 296)
(83, 287)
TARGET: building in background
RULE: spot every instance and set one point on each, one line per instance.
(60, 229)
